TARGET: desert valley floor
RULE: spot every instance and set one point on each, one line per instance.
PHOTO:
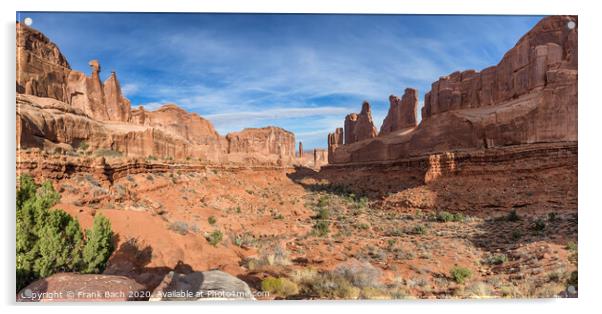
(403, 234)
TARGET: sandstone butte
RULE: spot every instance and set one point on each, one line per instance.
(61, 110)
(529, 97)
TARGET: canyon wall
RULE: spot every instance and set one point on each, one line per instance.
(529, 97)
(63, 110)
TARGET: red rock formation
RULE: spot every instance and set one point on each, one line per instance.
(334, 140)
(178, 121)
(58, 109)
(549, 46)
(41, 67)
(529, 97)
(118, 107)
(300, 150)
(359, 127)
(43, 71)
(320, 157)
(267, 140)
(402, 112)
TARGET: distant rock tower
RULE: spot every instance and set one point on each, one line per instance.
(300, 149)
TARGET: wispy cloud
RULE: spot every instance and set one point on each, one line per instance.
(278, 113)
(129, 89)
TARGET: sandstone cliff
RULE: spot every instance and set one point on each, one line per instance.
(63, 110)
(43, 71)
(529, 97)
(270, 140)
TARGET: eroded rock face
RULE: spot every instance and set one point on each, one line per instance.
(359, 127)
(72, 287)
(201, 286)
(529, 97)
(59, 109)
(118, 107)
(402, 112)
(549, 46)
(43, 71)
(178, 121)
(334, 140)
(267, 140)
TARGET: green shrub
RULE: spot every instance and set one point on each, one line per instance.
(417, 230)
(49, 241)
(497, 259)
(215, 237)
(448, 217)
(460, 274)
(321, 228)
(539, 225)
(83, 145)
(212, 220)
(323, 201)
(279, 286)
(573, 279)
(99, 245)
(330, 286)
(244, 240)
(513, 216)
(323, 213)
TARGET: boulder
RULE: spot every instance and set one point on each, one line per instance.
(201, 286)
(72, 287)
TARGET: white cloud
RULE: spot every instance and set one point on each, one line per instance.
(129, 89)
(277, 113)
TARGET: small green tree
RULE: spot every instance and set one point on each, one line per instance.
(99, 245)
(49, 241)
(59, 244)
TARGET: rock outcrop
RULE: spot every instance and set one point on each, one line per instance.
(334, 140)
(320, 157)
(201, 286)
(529, 97)
(60, 109)
(549, 49)
(268, 140)
(72, 287)
(43, 71)
(402, 112)
(359, 127)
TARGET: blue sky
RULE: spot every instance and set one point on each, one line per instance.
(303, 73)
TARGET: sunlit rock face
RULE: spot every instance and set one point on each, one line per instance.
(530, 96)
